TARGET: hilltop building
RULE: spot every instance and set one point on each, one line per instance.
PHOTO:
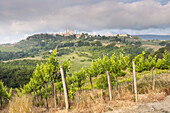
(69, 32)
(122, 35)
(78, 36)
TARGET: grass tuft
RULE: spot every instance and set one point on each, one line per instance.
(21, 104)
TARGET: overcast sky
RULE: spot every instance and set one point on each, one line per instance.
(21, 18)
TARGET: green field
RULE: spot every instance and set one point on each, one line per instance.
(154, 43)
(77, 63)
(9, 48)
(155, 48)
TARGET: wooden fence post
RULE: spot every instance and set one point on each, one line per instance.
(37, 96)
(54, 95)
(116, 84)
(135, 85)
(132, 84)
(91, 83)
(153, 79)
(45, 84)
(65, 88)
(109, 84)
(41, 96)
(34, 97)
(1, 103)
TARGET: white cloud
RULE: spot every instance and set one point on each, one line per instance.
(135, 16)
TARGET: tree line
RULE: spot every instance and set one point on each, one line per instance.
(17, 73)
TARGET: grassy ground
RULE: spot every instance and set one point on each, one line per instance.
(28, 58)
(8, 48)
(155, 48)
(77, 62)
(154, 43)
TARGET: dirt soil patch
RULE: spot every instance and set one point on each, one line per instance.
(155, 107)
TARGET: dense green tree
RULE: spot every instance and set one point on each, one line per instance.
(163, 43)
(138, 43)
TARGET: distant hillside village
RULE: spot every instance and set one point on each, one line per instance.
(69, 32)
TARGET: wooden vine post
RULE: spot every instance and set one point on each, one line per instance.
(116, 85)
(45, 84)
(109, 84)
(34, 98)
(53, 94)
(52, 91)
(135, 85)
(132, 84)
(37, 95)
(1, 102)
(65, 88)
(55, 104)
(41, 96)
(91, 83)
(153, 79)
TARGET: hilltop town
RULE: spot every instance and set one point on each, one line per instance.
(69, 32)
